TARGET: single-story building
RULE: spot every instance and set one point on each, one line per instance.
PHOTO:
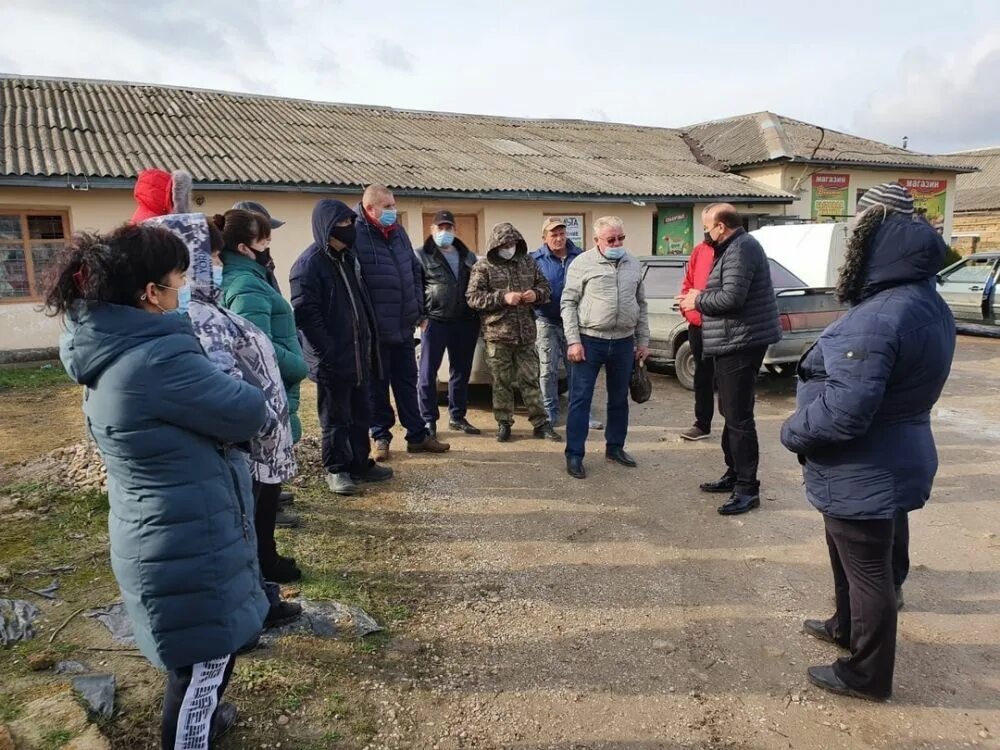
(977, 203)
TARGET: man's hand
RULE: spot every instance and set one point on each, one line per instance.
(687, 301)
(529, 297)
(512, 298)
(575, 353)
(423, 324)
(641, 353)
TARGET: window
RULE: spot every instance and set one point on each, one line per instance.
(663, 282)
(973, 271)
(30, 242)
(782, 278)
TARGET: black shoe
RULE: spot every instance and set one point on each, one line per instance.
(726, 484)
(619, 456)
(462, 425)
(545, 432)
(374, 473)
(899, 598)
(282, 613)
(817, 629)
(738, 504)
(824, 677)
(286, 498)
(283, 571)
(695, 433)
(249, 646)
(223, 721)
(503, 432)
(574, 467)
(432, 429)
(283, 520)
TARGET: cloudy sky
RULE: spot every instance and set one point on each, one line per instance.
(885, 69)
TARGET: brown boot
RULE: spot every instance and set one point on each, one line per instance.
(428, 445)
(381, 450)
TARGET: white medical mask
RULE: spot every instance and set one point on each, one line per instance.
(444, 238)
(507, 252)
(614, 253)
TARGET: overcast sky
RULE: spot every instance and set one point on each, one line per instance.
(884, 69)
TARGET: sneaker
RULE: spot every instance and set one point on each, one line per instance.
(694, 433)
(286, 520)
(282, 613)
(373, 473)
(223, 721)
(342, 484)
(283, 571)
(381, 450)
(428, 445)
(545, 432)
(286, 498)
(462, 425)
(596, 424)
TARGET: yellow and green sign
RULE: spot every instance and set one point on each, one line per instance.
(674, 232)
(929, 198)
(829, 196)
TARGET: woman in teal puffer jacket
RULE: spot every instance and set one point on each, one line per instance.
(167, 423)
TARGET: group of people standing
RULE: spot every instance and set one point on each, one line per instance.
(192, 361)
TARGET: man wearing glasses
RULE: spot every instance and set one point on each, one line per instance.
(606, 324)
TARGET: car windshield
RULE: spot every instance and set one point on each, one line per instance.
(782, 278)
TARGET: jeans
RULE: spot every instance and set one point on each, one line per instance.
(459, 339)
(736, 375)
(617, 357)
(551, 344)
(704, 382)
(865, 620)
(399, 364)
(344, 416)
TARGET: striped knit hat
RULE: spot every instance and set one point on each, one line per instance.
(892, 195)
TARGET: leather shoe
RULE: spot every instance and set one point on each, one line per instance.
(824, 677)
(817, 629)
(223, 721)
(462, 425)
(726, 484)
(545, 432)
(574, 467)
(619, 456)
(739, 504)
(432, 429)
(503, 432)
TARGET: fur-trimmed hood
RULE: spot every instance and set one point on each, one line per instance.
(158, 193)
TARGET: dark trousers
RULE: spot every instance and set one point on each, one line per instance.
(900, 548)
(265, 511)
(459, 339)
(736, 376)
(399, 366)
(344, 417)
(704, 382)
(865, 620)
(192, 694)
(617, 357)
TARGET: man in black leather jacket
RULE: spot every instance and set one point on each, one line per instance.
(449, 324)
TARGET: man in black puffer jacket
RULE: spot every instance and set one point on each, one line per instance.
(740, 321)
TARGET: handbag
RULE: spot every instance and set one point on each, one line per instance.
(640, 386)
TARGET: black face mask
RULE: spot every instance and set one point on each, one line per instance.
(709, 241)
(347, 234)
(262, 256)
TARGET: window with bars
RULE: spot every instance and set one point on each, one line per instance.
(30, 243)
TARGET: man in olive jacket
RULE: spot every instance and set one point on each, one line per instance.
(505, 286)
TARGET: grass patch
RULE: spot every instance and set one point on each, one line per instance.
(55, 739)
(24, 378)
(9, 709)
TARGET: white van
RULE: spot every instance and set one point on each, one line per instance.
(813, 252)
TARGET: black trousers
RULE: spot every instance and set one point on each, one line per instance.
(192, 694)
(704, 382)
(901, 548)
(865, 620)
(265, 513)
(736, 376)
(344, 417)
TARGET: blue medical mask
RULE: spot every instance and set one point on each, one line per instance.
(183, 299)
(217, 277)
(614, 253)
(444, 238)
(388, 217)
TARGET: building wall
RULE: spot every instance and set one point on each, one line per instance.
(23, 327)
(984, 223)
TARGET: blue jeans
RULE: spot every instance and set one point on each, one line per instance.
(617, 357)
(551, 345)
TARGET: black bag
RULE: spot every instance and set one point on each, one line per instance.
(640, 387)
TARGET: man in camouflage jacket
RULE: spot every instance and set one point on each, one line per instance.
(504, 287)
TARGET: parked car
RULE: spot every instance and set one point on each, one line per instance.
(970, 288)
(812, 252)
(804, 312)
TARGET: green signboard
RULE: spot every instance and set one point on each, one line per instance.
(674, 230)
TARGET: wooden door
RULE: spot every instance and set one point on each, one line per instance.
(466, 229)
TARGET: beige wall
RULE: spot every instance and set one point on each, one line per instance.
(23, 327)
(985, 223)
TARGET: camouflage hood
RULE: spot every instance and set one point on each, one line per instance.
(503, 235)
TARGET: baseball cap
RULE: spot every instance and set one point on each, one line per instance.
(258, 209)
(444, 217)
(551, 224)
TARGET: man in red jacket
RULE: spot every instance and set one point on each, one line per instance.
(695, 277)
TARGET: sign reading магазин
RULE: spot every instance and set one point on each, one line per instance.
(930, 197)
(829, 195)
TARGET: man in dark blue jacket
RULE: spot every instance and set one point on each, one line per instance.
(392, 276)
(336, 327)
(862, 427)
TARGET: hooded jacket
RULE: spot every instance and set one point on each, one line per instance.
(238, 348)
(333, 313)
(158, 193)
(866, 388)
(183, 547)
(247, 292)
(554, 269)
(444, 294)
(392, 275)
(493, 277)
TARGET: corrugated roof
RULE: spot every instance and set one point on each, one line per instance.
(979, 191)
(764, 137)
(100, 129)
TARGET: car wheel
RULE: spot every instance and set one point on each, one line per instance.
(684, 365)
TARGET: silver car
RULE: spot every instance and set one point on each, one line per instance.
(970, 289)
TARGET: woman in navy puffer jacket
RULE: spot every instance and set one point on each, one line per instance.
(862, 426)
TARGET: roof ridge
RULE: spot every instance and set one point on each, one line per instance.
(773, 132)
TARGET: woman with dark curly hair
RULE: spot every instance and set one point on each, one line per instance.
(862, 427)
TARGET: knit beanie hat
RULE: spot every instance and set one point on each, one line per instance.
(892, 195)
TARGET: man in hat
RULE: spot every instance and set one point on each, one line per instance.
(449, 323)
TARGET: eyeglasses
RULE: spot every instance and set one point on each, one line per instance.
(615, 239)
